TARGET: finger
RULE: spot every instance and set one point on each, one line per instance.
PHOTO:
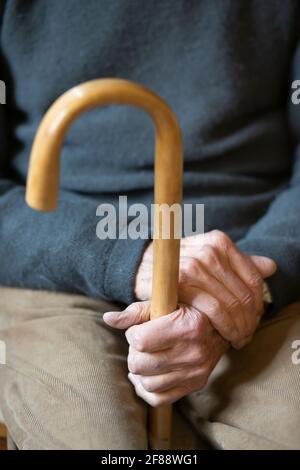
(227, 323)
(134, 314)
(242, 266)
(168, 360)
(159, 399)
(198, 372)
(163, 382)
(241, 275)
(210, 260)
(266, 266)
(245, 268)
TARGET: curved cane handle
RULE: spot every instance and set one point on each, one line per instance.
(43, 183)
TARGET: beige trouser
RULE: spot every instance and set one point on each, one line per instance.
(64, 385)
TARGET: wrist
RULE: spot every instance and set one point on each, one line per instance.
(143, 278)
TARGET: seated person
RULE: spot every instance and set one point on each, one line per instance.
(70, 304)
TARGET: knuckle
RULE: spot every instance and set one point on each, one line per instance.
(198, 327)
(197, 355)
(216, 233)
(155, 400)
(191, 327)
(248, 300)
(214, 308)
(193, 357)
(192, 266)
(148, 384)
(203, 354)
(155, 365)
(138, 340)
(133, 366)
(204, 325)
(184, 275)
(209, 255)
(255, 281)
(234, 305)
(221, 238)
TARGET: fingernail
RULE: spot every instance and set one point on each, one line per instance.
(268, 259)
(271, 264)
(109, 317)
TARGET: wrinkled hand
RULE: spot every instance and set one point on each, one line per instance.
(171, 356)
(218, 280)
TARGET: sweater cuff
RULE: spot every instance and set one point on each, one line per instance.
(121, 269)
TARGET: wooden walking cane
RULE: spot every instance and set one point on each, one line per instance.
(43, 184)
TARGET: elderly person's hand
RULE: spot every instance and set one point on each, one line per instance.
(218, 280)
(171, 356)
(221, 302)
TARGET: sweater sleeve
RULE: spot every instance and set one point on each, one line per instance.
(277, 233)
(60, 250)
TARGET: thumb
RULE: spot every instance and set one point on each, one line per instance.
(134, 314)
(266, 266)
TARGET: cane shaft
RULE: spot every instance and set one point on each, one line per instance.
(165, 269)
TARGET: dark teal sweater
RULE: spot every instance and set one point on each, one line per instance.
(224, 66)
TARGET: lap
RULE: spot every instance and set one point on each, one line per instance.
(65, 380)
